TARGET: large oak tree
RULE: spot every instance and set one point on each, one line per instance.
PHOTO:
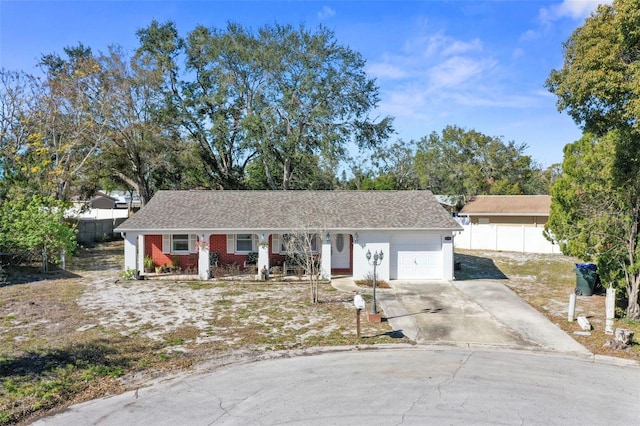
(277, 97)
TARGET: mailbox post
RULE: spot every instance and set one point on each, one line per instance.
(358, 302)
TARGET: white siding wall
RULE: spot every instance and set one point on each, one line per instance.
(130, 247)
(525, 239)
(384, 241)
(373, 242)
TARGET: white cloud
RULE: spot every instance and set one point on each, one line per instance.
(529, 35)
(326, 12)
(457, 47)
(573, 9)
(457, 71)
(437, 75)
(406, 102)
(386, 70)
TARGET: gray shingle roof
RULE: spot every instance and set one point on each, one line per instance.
(286, 210)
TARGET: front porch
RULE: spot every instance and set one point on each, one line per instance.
(207, 256)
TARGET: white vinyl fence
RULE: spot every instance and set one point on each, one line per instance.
(524, 239)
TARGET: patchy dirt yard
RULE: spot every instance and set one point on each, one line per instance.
(71, 336)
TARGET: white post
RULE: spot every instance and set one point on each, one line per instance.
(141, 254)
(610, 307)
(203, 256)
(572, 307)
(263, 255)
(325, 267)
(447, 253)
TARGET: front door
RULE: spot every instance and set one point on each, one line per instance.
(340, 251)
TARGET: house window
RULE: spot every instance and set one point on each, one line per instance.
(244, 243)
(179, 243)
(241, 243)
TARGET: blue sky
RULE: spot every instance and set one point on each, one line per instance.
(475, 64)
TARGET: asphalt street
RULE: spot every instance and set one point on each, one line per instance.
(410, 386)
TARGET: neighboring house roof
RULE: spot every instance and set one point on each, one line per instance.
(507, 205)
(286, 210)
(103, 201)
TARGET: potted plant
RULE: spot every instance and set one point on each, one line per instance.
(213, 258)
(252, 258)
(148, 264)
(159, 269)
(175, 264)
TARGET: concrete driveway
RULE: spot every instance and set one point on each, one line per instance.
(471, 313)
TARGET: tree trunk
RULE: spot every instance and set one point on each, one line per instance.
(633, 308)
(286, 175)
(268, 174)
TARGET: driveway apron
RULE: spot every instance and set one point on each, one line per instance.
(471, 313)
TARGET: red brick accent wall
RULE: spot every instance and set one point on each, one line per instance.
(153, 248)
(218, 244)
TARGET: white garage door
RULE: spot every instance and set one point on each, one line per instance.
(417, 258)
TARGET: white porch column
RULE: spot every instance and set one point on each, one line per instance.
(447, 255)
(263, 254)
(130, 240)
(325, 267)
(141, 254)
(203, 256)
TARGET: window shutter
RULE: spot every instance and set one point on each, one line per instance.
(254, 242)
(192, 243)
(275, 244)
(166, 243)
(231, 243)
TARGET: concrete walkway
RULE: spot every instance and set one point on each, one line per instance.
(468, 314)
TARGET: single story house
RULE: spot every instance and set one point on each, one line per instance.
(506, 223)
(412, 230)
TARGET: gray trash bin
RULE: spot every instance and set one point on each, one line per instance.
(586, 278)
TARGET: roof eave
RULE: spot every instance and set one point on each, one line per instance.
(502, 214)
(274, 230)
